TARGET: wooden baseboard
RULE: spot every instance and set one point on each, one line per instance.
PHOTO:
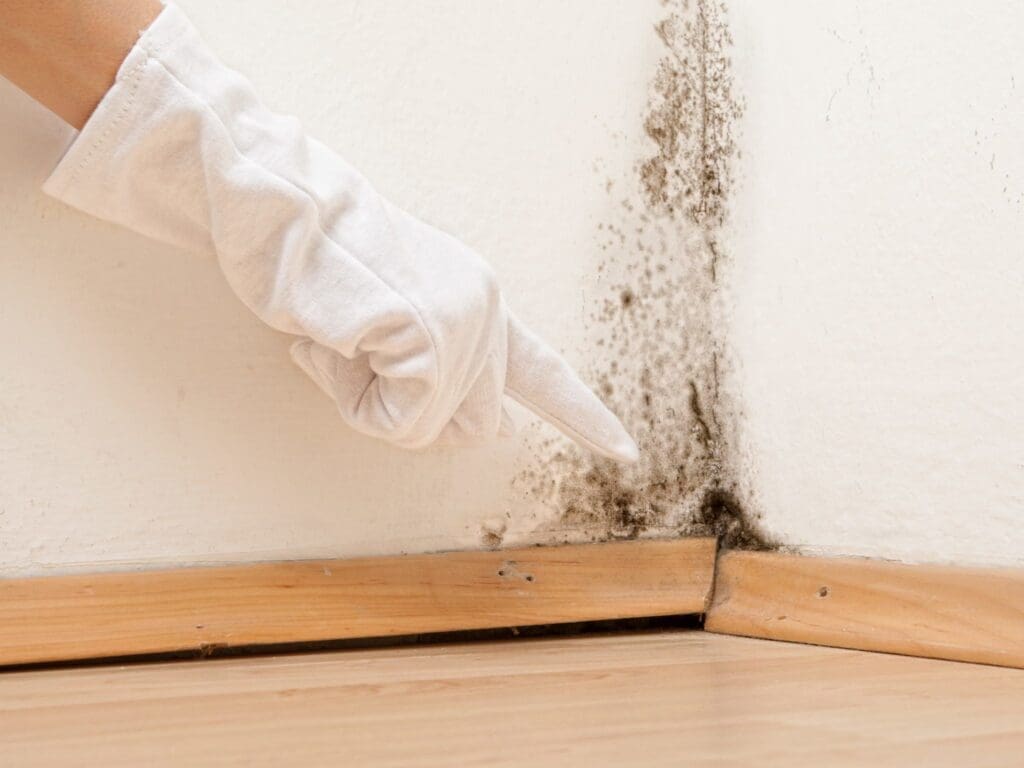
(93, 616)
(963, 614)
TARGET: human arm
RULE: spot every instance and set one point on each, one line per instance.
(66, 53)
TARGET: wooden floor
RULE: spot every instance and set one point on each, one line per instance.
(664, 699)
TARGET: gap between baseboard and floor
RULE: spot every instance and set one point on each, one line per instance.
(946, 612)
(201, 610)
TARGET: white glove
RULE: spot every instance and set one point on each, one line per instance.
(401, 324)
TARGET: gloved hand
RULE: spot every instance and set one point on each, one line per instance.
(401, 324)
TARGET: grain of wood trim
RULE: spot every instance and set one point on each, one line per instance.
(963, 614)
(118, 614)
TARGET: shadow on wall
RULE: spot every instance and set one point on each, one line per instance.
(661, 353)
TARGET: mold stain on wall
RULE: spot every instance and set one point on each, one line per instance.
(658, 331)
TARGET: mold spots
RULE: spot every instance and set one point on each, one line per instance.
(722, 515)
(492, 532)
(692, 115)
(657, 328)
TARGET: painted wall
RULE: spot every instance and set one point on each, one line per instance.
(866, 315)
(147, 418)
(879, 275)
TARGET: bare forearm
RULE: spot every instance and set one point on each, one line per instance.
(65, 53)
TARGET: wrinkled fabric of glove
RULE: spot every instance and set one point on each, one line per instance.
(401, 324)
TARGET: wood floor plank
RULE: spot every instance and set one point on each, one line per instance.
(103, 615)
(665, 699)
(964, 614)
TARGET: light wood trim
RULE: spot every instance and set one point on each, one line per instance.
(90, 616)
(964, 614)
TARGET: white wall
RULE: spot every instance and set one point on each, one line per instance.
(146, 418)
(879, 236)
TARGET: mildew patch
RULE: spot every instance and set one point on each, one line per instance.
(692, 115)
(658, 329)
(492, 532)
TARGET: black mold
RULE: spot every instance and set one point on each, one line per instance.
(722, 515)
(691, 118)
(657, 332)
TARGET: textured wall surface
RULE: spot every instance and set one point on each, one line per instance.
(869, 334)
(878, 282)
